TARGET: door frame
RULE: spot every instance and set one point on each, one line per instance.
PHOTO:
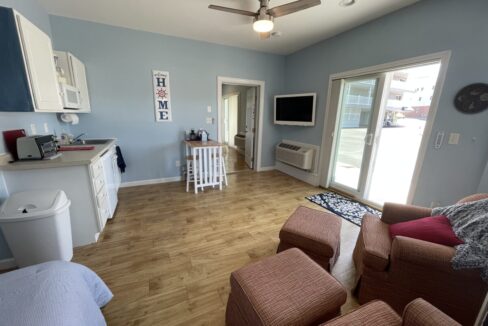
(330, 119)
(371, 130)
(258, 135)
(221, 120)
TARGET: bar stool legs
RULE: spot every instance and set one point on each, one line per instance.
(191, 170)
(224, 171)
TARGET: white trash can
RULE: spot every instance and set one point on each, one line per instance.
(37, 226)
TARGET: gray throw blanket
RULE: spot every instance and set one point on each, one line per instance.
(470, 223)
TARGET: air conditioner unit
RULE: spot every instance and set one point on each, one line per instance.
(298, 156)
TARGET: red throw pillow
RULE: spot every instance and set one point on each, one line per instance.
(436, 229)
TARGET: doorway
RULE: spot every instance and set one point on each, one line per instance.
(382, 123)
(239, 122)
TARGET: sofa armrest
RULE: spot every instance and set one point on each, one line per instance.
(377, 242)
(422, 253)
(420, 312)
(395, 213)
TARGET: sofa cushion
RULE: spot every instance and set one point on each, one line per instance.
(436, 229)
(474, 197)
(372, 313)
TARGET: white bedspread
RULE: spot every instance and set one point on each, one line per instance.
(53, 293)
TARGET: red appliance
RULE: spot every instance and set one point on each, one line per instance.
(10, 137)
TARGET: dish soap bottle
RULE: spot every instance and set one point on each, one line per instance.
(204, 135)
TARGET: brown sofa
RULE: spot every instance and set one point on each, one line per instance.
(401, 270)
(417, 313)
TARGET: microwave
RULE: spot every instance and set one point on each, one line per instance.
(71, 96)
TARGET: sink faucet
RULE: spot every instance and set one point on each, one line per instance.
(78, 138)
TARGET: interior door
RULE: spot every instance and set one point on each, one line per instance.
(250, 122)
(39, 58)
(225, 126)
(232, 119)
(357, 115)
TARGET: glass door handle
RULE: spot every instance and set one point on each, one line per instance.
(369, 139)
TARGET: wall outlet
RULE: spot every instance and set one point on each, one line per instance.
(33, 129)
(453, 138)
(209, 108)
(178, 163)
(46, 128)
(209, 120)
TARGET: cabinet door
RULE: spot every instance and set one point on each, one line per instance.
(79, 81)
(39, 59)
(15, 92)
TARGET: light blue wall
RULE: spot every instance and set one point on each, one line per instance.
(119, 63)
(483, 186)
(426, 27)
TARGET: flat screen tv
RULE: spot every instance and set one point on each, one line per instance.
(295, 109)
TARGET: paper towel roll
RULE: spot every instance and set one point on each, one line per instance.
(70, 118)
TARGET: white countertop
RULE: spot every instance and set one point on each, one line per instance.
(68, 158)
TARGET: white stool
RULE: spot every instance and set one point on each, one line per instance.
(190, 170)
(190, 174)
(223, 174)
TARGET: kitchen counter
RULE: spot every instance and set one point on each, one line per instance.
(69, 158)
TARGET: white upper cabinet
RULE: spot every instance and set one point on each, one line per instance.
(75, 74)
(78, 74)
(41, 70)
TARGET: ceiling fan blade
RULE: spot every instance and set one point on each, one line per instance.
(264, 36)
(292, 7)
(232, 10)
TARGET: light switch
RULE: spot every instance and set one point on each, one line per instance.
(46, 128)
(209, 109)
(453, 138)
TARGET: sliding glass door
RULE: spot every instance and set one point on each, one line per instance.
(380, 123)
(357, 114)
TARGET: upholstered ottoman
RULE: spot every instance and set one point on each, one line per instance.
(316, 233)
(286, 289)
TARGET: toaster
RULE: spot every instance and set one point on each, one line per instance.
(36, 147)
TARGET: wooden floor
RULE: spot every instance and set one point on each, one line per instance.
(234, 161)
(167, 255)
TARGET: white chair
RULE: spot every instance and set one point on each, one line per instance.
(221, 161)
(190, 176)
(212, 171)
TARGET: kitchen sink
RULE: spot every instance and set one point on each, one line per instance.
(92, 142)
(95, 141)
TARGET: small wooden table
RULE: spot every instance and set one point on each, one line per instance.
(206, 168)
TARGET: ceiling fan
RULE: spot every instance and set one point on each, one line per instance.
(263, 18)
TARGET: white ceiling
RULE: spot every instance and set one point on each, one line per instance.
(193, 20)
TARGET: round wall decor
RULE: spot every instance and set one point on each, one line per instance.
(472, 98)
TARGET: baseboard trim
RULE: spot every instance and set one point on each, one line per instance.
(150, 182)
(7, 263)
(267, 168)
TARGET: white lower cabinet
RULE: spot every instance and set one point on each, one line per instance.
(85, 185)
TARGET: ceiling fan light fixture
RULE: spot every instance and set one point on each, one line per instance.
(347, 3)
(263, 24)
